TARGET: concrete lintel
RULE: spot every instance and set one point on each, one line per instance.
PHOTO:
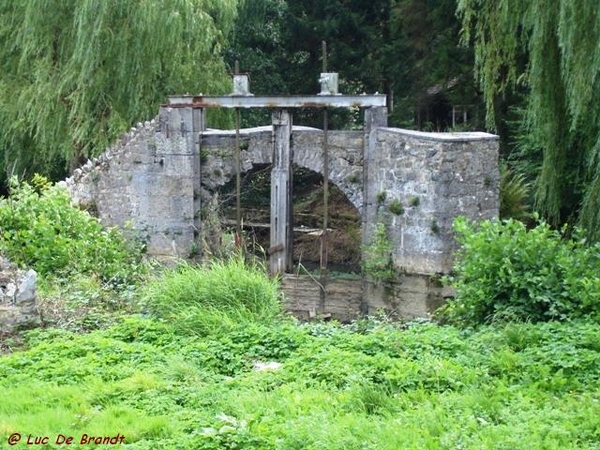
(446, 137)
(296, 101)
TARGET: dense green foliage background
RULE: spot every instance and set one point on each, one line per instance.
(544, 58)
(74, 74)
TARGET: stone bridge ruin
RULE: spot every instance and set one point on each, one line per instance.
(157, 177)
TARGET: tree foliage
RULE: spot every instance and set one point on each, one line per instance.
(400, 48)
(550, 50)
(76, 73)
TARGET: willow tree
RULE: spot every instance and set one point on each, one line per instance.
(76, 73)
(549, 49)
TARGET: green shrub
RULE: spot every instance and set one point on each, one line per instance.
(39, 228)
(505, 272)
(202, 299)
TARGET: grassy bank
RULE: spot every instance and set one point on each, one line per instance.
(369, 385)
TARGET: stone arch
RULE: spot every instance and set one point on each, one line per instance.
(217, 149)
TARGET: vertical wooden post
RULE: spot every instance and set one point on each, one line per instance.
(280, 253)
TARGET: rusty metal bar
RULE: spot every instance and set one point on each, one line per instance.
(324, 255)
(238, 181)
(238, 170)
(296, 101)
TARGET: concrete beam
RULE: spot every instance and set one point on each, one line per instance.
(282, 238)
(296, 101)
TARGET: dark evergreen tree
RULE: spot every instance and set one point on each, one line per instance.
(403, 48)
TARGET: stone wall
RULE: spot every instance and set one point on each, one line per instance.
(302, 297)
(144, 183)
(158, 175)
(429, 179)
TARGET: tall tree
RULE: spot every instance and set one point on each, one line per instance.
(548, 48)
(404, 47)
(431, 72)
(76, 73)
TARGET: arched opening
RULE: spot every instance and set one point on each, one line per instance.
(344, 230)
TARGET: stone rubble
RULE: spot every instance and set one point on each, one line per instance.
(18, 298)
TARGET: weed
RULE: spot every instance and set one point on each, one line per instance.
(354, 178)
(505, 271)
(377, 259)
(396, 208)
(526, 386)
(42, 230)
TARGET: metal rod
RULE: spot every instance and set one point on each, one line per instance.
(323, 265)
(238, 181)
(324, 253)
(238, 176)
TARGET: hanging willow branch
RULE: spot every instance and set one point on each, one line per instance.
(74, 74)
(551, 48)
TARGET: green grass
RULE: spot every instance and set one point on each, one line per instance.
(340, 387)
(203, 299)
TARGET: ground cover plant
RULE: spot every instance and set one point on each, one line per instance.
(41, 230)
(368, 385)
(87, 274)
(201, 357)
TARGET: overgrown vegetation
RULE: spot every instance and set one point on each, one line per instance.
(506, 272)
(514, 195)
(369, 385)
(204, 359)
(218, 295)
(377, 256)
(40, 229)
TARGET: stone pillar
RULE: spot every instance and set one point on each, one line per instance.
(375, 117)
(280, 253)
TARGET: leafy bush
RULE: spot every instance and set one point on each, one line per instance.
(219, 295)
(504, 271)
(39, 228)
